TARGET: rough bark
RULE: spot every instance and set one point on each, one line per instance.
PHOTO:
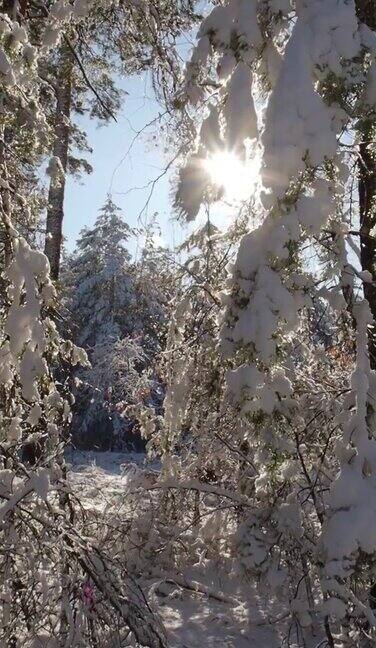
(367, 210)
(5, 205)
(366, 10)
(55, 210)
(10, 7)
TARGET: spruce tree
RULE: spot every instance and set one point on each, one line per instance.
(112, 312)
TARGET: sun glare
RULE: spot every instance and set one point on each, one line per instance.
(235, 177)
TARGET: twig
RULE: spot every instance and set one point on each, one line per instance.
(87, 80)
(194, 586)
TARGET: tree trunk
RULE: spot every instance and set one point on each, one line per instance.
(11, 7)
(5, 204)
(55, 210)
(366, 10)
(367, 209)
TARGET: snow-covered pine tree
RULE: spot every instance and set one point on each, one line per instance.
(115, 320)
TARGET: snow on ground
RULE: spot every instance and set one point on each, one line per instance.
(101, 478)
(193, 619)
(112, 463)
(194, 624)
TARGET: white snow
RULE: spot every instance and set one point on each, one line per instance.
(191, 617)
(298, 123)
(239, 111)
(370, 92)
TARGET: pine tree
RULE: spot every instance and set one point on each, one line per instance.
(112, 317)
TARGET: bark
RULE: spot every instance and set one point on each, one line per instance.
(367, 214)
(5, 205)
(366, 10)
(55, 210)
(10, 7)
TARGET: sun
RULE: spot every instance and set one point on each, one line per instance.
(236, 177)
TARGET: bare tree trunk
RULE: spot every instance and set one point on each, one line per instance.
(55, 211)
(367, 213)
(5, 204)
(366, 10)
(14, 8)
(8, 6)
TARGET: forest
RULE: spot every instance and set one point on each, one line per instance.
(188, 431)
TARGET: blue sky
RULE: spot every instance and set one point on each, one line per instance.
(128, 174)
(122, 173)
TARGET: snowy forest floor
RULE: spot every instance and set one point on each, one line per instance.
(192, 619)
